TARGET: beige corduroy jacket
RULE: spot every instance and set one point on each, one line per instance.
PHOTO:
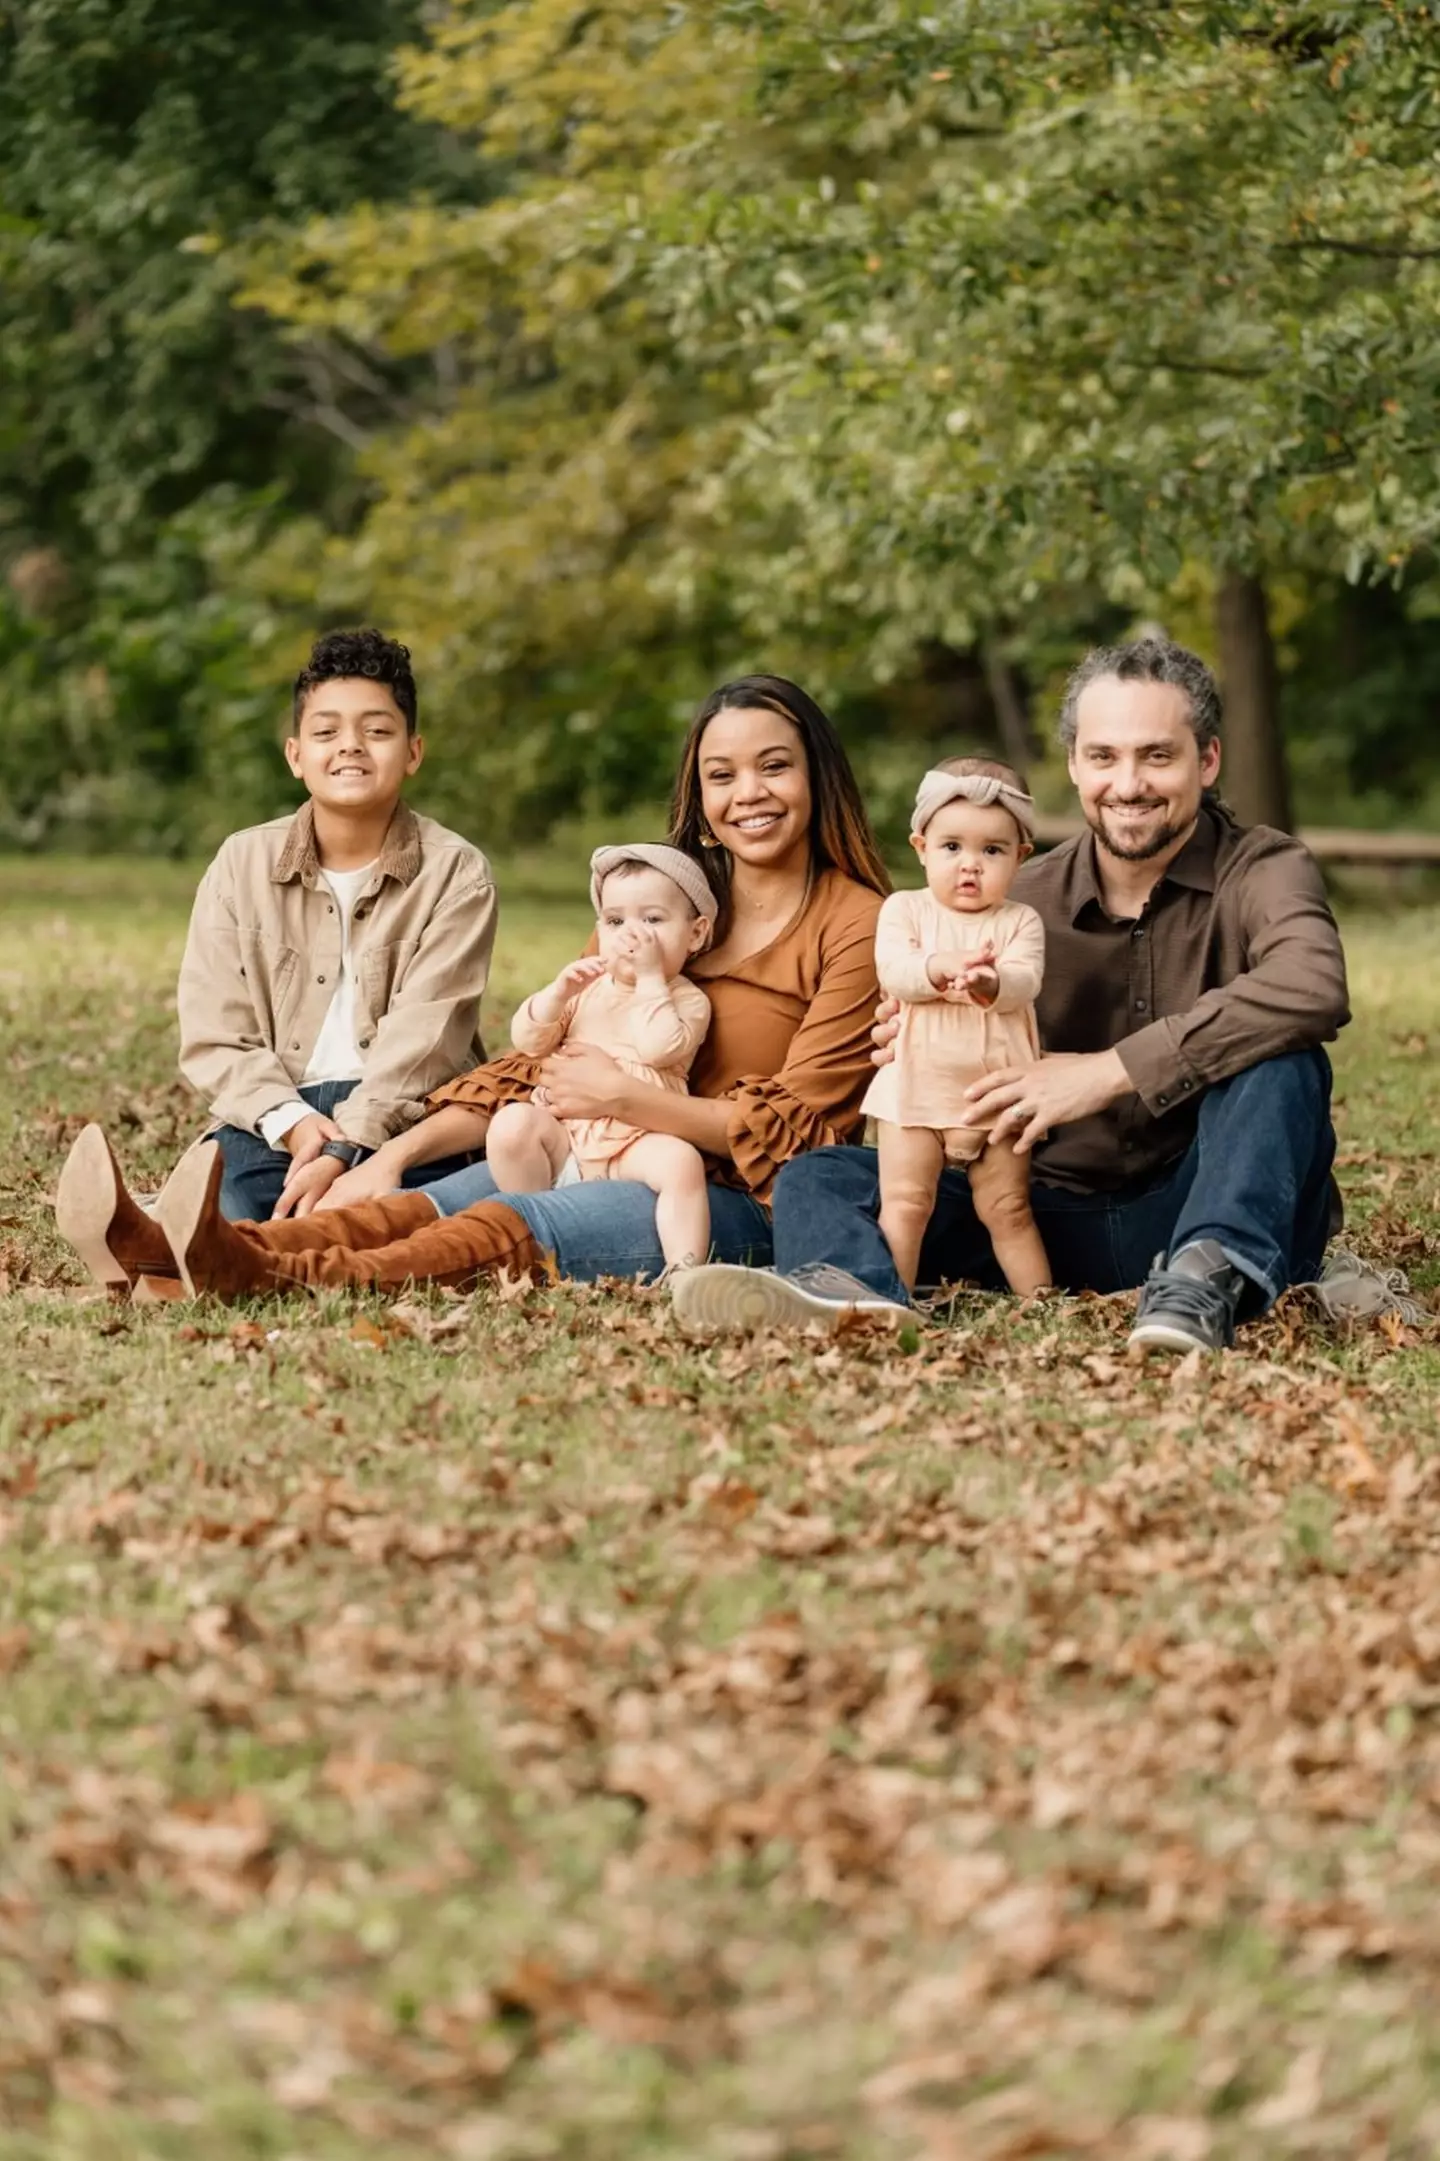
(263, 956)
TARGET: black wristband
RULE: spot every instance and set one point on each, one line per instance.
(347, 1152)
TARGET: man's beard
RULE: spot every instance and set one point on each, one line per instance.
(1140, 851)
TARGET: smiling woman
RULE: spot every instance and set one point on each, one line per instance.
(766, 802)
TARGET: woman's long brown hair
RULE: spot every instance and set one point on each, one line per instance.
(840, 835)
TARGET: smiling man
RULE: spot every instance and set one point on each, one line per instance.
(336, 959)
(1180, 1119)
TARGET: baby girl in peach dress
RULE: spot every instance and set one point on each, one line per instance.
(966, 963)
(654, 910)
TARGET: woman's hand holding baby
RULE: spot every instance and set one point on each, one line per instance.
(582, 1081)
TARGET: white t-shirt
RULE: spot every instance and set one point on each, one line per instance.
(336, 1056)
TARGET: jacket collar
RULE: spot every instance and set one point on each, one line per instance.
(399, 857)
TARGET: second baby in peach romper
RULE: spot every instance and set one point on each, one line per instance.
(965, 963)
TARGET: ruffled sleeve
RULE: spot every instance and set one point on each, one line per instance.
(814, 1100)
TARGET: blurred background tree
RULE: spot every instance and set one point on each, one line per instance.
(153, 434)
(604, 350)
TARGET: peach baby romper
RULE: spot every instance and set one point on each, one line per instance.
(942, 1047)
(653, 1038)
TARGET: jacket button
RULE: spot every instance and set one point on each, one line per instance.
(1162, 1101)
(1139, 1005)
(319, 978)
(364, 1042)
(296, 1044)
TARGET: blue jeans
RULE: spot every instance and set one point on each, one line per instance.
(255, 1172)
(1256, 1179)
(607, 1227)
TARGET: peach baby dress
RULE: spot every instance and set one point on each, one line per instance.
(943, 1047)
(655, 1037)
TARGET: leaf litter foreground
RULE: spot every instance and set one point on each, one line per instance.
(495, 1727)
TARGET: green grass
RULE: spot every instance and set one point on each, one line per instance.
(513, 1733)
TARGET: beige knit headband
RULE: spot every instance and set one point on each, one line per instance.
(937, 789)
(672, 863)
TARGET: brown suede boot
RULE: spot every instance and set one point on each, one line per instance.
(455, 1250)
(95, 1214)
(158, 1290)
(369, 1223)
(207, 1253)
(235, 1260)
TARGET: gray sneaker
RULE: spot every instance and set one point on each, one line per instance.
(722, 1296)
(1350, 1289)
(1189, 1304)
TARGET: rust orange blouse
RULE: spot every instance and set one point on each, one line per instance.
(789, 1039)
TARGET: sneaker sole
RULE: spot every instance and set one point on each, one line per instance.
(724, 1298)
(1158, 1336)
(85, 1202)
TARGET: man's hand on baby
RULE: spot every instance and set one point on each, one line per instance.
(883, 1033)
(1021, 1104)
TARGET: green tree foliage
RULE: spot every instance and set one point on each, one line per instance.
(523, 522)
(150, 430)
(858, 326)
(891, 342)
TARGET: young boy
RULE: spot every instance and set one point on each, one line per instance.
(336, 959)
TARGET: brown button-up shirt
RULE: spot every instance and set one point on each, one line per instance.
(1235, 958)
(263, 958)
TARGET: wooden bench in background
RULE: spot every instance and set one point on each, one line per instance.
(1328, 844)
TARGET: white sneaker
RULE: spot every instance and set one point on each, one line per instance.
(722, 1296)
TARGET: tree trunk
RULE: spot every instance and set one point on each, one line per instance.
(1253, 779)
(1011, 717)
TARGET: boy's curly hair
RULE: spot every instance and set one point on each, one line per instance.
(347, 653)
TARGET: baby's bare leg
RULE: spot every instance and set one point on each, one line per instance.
(526, 1148)
(911, 1160)
(1000, 1189)
(675, 1174)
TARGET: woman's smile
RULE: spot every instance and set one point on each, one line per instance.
(755, 785)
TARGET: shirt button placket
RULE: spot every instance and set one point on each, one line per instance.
(1142, 972)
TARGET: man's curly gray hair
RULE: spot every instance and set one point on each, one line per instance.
(1148, 660)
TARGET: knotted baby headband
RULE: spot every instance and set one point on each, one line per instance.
(673, 863)
(937, 789)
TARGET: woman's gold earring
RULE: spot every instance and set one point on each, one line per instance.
(708, 840)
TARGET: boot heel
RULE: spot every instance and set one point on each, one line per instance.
(85, 1203)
